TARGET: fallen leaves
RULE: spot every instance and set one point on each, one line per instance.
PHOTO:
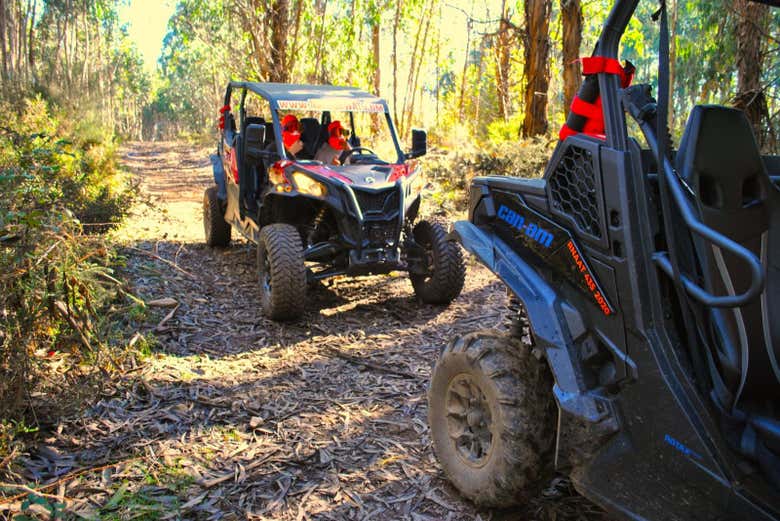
(237, 417)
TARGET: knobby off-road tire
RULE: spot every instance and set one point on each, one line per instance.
(214, 224)
(447, 271)
(492, 417)
(282, 272)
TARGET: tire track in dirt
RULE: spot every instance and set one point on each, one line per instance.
(237, 417)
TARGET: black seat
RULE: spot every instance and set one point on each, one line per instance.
(254, 171)
(310, 133)
(269, 133)
(720, 161)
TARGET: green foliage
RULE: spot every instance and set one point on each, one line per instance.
(450, 174)
(54, 509)
(54, 281)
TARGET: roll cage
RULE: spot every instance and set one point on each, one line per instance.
(321, 98)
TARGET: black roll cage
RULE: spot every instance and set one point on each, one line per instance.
(274, 92)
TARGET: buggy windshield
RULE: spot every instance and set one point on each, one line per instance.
(363, 125)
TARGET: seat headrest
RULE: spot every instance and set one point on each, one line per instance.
(720, 159)
(310, 132)
(255, 135)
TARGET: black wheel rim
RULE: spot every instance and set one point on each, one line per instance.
(428, 256)
(469, 420)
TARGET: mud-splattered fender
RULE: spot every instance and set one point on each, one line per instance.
(553, 321)
(219, 176)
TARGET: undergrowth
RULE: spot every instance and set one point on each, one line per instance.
(451, 173)
(59, 300)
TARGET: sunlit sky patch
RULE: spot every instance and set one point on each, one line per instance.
(147, 21)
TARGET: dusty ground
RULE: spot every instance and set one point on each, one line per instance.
(237, 417)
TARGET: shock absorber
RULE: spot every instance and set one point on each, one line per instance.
(517, 323)
(317, 222)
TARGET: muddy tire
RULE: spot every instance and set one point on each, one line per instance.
(447, 272)
(492, 417)
(214, 224)
(282, 272)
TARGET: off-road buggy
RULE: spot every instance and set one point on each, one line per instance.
(312, 220)
(649, 284)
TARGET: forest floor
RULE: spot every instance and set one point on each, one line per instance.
(232, 416)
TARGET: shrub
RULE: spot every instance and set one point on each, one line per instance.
(54, 281)
(450, 173)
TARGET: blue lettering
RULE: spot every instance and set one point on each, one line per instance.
(532, 230)
(680, 447)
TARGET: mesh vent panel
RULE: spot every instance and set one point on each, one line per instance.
(573, 189)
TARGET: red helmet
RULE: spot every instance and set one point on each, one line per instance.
(290, 130)
(336, 140)
(290, 123)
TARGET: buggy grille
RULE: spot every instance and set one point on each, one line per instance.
(573, 189)
(377, 201)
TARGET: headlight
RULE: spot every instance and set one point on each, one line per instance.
(307, 185)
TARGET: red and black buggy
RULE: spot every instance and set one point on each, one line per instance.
(312, 220)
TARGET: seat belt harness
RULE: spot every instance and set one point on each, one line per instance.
(586, 113)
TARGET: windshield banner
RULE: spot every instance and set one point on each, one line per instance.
(320, 104)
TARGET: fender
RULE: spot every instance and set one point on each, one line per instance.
(553, 321)
(219, 176)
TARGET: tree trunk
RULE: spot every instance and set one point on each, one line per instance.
(279, 17)
(751, 24)
(465, 69)
(503, 51)
(30, 42)
(319, 69)
(537, 66)
(292, 51)
(571, 18)
(376, 79)
(420, 61)
(3, 24)
(415, 57)
(673, 7)
(396, 22)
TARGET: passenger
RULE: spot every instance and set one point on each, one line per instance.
(291, 135)
(331, 150)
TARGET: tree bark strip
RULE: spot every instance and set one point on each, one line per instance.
(750, 25)
(571, 19)
(537, 66)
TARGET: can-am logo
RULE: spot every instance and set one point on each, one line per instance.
(531, 230)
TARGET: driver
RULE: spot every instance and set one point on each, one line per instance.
(331, 150)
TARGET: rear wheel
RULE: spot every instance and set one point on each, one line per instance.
(446, 271)
(282, 271)
(492, 417)
(214, 224)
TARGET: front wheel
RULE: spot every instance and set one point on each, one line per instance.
(282, 272)
(445, 271)
(492, 418)
(214, 225)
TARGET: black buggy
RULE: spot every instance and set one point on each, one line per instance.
(649, 282)
(312, 220)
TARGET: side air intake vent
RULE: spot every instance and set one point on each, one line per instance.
(573, 190)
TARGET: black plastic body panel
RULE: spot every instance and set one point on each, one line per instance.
(634, 432)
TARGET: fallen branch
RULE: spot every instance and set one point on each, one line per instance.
(167, 318)
(208, 483)
(370, 365)
(166, 261)
(64, 479)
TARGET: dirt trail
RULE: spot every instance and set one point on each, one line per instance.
(237, 417)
